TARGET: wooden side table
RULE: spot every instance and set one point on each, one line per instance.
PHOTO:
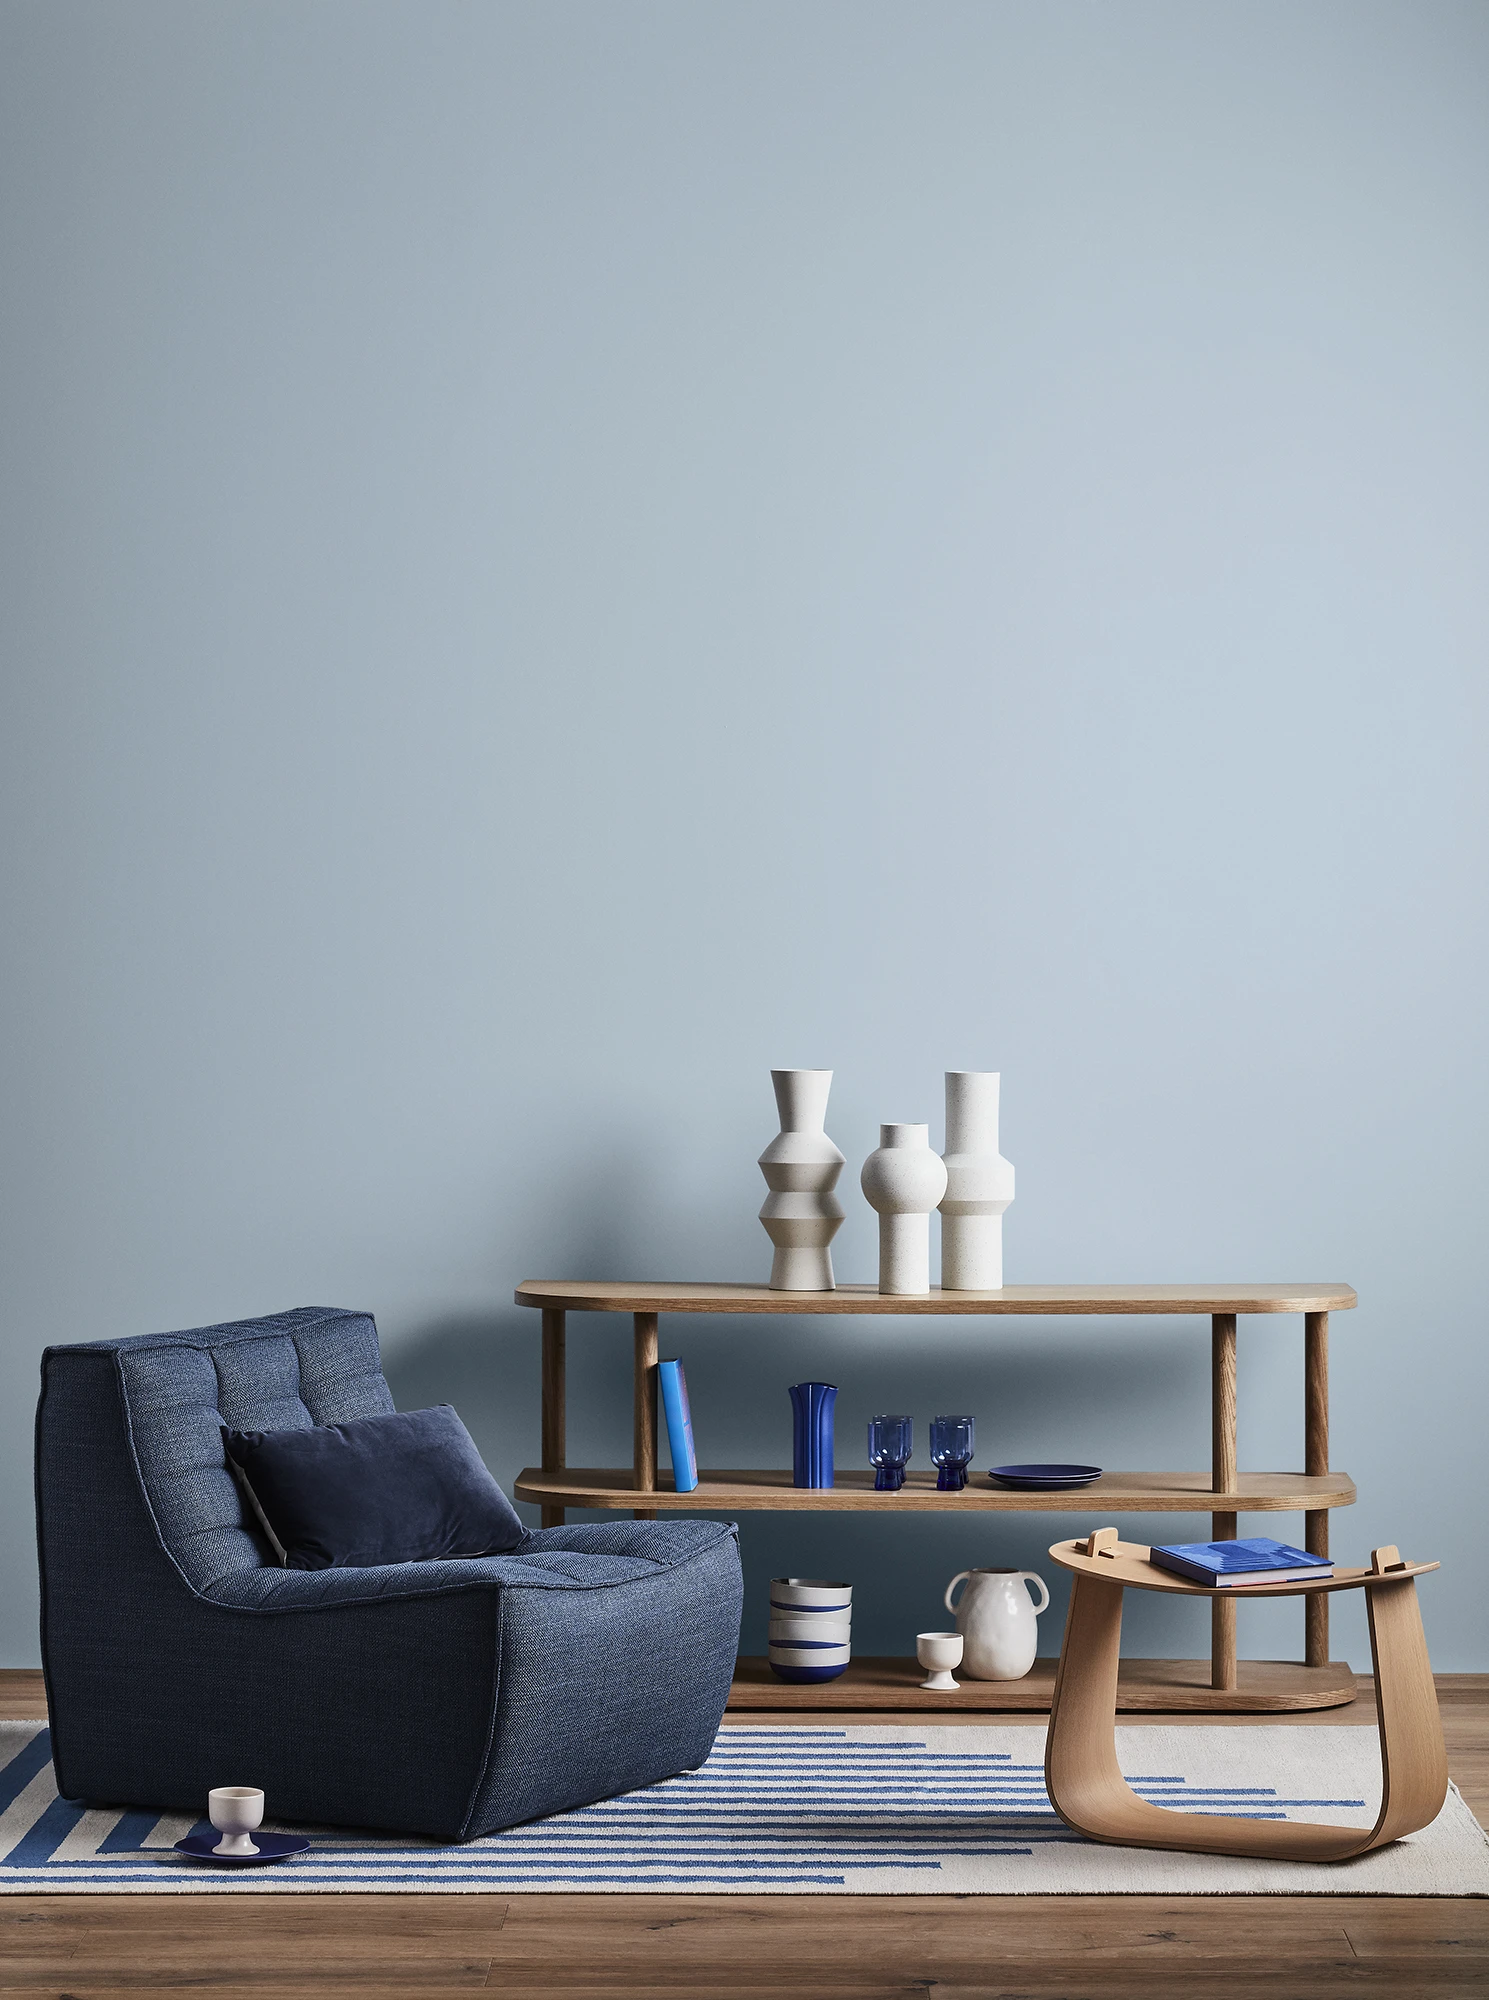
(1221, 1490)
(1085, 1782)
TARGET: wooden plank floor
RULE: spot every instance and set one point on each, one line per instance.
(773, 1947)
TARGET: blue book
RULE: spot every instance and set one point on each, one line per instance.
(674, 1386)
(1223, 1564)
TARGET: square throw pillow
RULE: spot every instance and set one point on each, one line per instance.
(408, 1487)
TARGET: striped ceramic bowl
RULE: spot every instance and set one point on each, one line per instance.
(808, 1663)
(794, 1595)
(828, 1630)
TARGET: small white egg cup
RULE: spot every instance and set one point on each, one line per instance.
(939, 1652)
(236, 1811)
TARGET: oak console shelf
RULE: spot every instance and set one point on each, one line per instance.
(1223, 1493)
(1113, 1493)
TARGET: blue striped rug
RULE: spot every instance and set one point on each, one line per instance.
(869, 1810)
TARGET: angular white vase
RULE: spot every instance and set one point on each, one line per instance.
(979, 1185)
(801, 1214)
(904, 1180)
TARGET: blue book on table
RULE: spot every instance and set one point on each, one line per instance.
(674, 1386)
(1220, 1564)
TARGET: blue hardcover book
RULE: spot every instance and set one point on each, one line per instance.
(674, 1386)
(1222, 1564)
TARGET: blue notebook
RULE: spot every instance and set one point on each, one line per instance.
(1221, 1564)
(674, 1387)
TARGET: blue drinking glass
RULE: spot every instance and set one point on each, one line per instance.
(890, 1440)
(953, 1440)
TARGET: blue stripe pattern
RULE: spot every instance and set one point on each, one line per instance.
(772, 1808)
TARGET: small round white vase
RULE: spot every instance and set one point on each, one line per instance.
(801, 1214)
(979, 1185)
(903, 1181)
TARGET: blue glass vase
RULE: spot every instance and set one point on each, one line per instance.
(811, 1433)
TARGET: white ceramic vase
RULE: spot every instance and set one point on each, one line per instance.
(904, 1180)
(801, 1214)
(979, 1185)
(1000, 1635)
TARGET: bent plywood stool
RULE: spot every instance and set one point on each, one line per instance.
(1086, 1786)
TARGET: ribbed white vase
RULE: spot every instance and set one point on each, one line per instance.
(979, 1185)
(904, 1180)
(801, 1214)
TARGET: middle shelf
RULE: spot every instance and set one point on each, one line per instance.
(772, 1489)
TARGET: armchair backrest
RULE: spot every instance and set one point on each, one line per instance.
(170, 1394)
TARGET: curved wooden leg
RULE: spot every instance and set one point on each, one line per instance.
(1081, 1773)
(1412, 1752)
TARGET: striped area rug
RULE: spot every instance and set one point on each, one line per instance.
(801, 1811)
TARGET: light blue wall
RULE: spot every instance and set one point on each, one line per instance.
(560, 555)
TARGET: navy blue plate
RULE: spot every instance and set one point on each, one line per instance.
(271, 1847)
(1043, 1478)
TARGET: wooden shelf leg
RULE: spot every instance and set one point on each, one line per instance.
(1316, 1460)
(555, 1409)
(1223, 1480)
(644, 1426)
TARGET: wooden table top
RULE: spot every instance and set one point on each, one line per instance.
(1129, 1564)
(600, 1295)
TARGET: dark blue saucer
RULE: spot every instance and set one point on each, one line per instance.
(1043, 1478)
(271, 1847)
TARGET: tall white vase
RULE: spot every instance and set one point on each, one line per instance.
(904, 1180)
(979, 1185)
(801, 1165)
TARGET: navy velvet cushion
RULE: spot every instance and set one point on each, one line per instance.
(408, 1487)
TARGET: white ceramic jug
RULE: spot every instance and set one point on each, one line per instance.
(997, 1622)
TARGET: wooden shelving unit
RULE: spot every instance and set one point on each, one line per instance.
(1222, 1684)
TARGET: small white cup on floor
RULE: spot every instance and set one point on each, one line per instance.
(236, 1811)
(939, 1652)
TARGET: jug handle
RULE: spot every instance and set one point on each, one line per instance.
(1028, 1576)
(962, 1576)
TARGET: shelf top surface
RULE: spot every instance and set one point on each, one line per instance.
(772, 1488)
(601, 1295)
(1130, 1564)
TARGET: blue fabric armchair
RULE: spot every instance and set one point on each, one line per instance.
(444, 1698)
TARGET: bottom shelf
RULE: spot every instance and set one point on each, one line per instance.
(1161, 1685)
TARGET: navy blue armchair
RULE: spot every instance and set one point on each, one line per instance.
(445, 1698)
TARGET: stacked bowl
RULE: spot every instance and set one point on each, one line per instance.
(810, 1622)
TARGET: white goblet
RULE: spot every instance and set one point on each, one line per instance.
(939, 1652)
(236, 1811)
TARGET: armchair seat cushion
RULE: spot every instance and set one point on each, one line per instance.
(608, 1553)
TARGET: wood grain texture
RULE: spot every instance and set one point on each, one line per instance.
(770, 1488)
(775, 1948)
(644, 1412)
(1269, 1687)
(1223, 1524)
(1085, 1782)
(584, 1295)
(1130, 1565)
(1316, 1460)
(554, 1404)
